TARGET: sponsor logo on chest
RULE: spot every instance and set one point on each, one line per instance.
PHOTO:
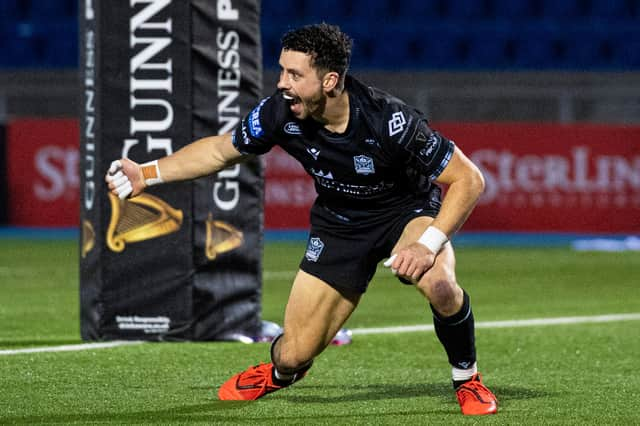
(292, 128)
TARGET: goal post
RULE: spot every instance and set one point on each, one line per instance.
(182, 261)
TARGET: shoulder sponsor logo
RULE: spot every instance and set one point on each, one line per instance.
(245, 135)
(314, 249)
(314, 152)
(396, 124)
(363, 165)
(430, 144)
(255, 128)
(292, 128)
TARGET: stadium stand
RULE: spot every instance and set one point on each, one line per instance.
(513, 9)
(390, 35)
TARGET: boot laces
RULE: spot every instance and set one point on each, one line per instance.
(474, 390)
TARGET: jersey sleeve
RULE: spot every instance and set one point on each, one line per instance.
(421, 148)
(255, 132)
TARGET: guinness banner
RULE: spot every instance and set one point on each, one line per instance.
(182, 261)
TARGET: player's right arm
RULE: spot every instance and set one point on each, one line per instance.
(203, 157)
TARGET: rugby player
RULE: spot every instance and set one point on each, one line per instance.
(377, 166)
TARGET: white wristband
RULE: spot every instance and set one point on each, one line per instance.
(433, 239)
(151, 173)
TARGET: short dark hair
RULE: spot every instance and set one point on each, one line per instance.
(328, 46)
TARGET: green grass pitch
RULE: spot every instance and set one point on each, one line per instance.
(549, 375)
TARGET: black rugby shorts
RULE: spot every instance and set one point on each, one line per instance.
(344, 249)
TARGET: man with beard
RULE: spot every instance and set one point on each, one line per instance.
(376, 165)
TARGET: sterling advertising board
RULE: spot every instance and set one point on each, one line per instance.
(539, 177)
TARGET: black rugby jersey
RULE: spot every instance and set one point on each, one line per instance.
(387, 157)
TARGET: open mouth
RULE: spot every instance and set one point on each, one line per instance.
(294, 103)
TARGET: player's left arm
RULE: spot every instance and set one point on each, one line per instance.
(465, 185)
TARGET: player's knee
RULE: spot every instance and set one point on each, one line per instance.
(442, 290)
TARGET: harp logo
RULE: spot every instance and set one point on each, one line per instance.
(140, 218)
(146, 217)
(88, 238)
(221, 238)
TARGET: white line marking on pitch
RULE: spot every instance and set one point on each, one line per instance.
(506, 324)
(362, 331)
(70, 348)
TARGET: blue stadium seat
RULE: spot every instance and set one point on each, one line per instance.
(282, 11)
(585, 49)
(375, 12)
(619, 9)
(466, 9)
(487, 48)
(393, 49)
(48, 10)
(11, 9)
(60, 43)
(441, 47)
(20, 47)
(559, 9)
(331, 11)
(513, 9)
(535, 47)
(270, 45)
(364, 43)
(625, 48)
(628, 55)
(419, 12)
(60, 52)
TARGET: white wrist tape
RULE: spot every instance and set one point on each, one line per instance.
(121, 184)
(433, 239)
(151, 173)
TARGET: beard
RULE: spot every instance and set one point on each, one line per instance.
(312, 106)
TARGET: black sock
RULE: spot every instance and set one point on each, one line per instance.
(457, 335)
(296, 374)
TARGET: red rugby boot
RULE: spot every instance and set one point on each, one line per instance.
(253, 383)
(475, 399)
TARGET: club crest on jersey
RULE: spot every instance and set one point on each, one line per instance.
(363, 165)
(314, 249)
(397, 122)
(292, 128)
